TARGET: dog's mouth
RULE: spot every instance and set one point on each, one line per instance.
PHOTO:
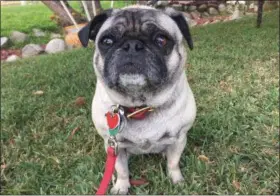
(133, 81)
(134, 77)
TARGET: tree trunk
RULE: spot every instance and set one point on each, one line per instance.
(62, 16)
(98, 7)
(260, 13)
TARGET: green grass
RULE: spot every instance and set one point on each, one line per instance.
(25, 18)
(234, 75)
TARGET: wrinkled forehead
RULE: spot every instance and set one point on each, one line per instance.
(141, 21)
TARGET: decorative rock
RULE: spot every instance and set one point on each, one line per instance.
(195, 15)
(12, 58)
(235, 15)
(205, 14)
(222, 8)
(38, 33)
(213, 11)
(202, 8)
(251, 6)
(255, 8)
(18, 37)
(31, 50)
(178, 7)
(187, 15)
(192, 23)
(231, 2)
(191, 8)
(4, 41)
(55, 35)
(162, 3)
(242, 7)
(55, 45)
(229, 9)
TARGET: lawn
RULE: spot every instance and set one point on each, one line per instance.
(233, 71)
(37, 16)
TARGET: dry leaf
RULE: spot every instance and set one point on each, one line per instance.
(203, 158)
(73, 132)
(234, 149)
(12, 141)
(55, 159)
(225, 86)
(268, 151)
(3, 166)
(274, 141)
(38, 93)
(27, 75)
(138, 182)
(236, 185)
(266, 192)
(80, 101)
(36, 136)
(190, 79)
(243, 169)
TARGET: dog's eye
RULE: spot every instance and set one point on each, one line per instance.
(107, 41)
(161, 40)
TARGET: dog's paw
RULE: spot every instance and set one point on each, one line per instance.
(176, 176)
(120, 188)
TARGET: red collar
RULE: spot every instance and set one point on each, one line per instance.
(137, 113)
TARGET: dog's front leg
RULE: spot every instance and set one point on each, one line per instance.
(173, 154)
(122, 184)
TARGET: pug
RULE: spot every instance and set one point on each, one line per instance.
(139, 60)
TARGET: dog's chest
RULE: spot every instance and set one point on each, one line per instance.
(150, 135)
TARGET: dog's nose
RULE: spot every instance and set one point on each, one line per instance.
(133, 46)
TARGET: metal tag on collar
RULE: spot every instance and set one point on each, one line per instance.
(115, 119)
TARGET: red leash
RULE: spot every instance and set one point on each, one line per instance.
(109, 171)
(114, 120)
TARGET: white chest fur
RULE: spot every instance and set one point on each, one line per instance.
(159, 129)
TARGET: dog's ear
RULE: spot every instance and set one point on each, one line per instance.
(182, 24)
(90, 31)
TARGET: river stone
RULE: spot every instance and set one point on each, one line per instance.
(56, 45)
(202, 8)
(31, 50)
(222, 8)
(38, 33)
(213, 11)
(4, 42)
(18, 37)
(12, 58)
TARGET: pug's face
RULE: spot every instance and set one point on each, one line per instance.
(138, 49)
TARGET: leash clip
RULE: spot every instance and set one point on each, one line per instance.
(112, 141)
